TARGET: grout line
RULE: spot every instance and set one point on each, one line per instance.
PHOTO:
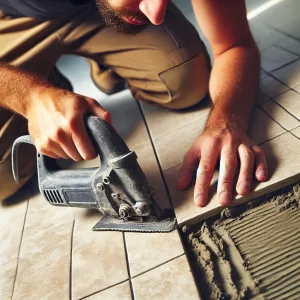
(275, 78)
(159, 265)
(71, 259)
(283, 32)
(156, 156)
(267, 113)
(284, 109)
(261, 109)
(19, 251)
(273, 138)
(285, 65)
(286, 50)
(107, 288)
(128, 266)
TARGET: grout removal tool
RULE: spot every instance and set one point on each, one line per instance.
(118, 188)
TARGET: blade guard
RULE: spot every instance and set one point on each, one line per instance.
(118, 188)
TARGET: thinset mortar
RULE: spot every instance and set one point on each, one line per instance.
(251, 251)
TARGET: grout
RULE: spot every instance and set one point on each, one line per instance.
(128, 266)
(274, 102)
(19, 251)
(286, 50)
(107, 288)
(275, 137)
(285, 65)
(71, 259)
(261, 109)
(275, 78)
(155, 153)
(161, 264)
(284, 33)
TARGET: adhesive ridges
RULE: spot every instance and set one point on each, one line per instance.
(255, 255)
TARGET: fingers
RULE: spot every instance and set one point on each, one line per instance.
(98, 110)
(261, 165)
(228, 168)
(52, 149)
(204, 175)
(188, 169)
(246, 170)
(81, 139)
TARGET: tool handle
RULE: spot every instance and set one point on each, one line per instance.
(20, 140)
(108, 144)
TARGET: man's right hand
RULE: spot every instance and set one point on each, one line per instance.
(55, 123)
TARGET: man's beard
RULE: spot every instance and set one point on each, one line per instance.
(113, 18)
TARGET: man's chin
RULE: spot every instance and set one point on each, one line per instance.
(127, 29)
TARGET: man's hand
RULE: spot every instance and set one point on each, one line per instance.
(55, 122)
(234, 148)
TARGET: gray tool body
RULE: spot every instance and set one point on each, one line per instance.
(118, 188)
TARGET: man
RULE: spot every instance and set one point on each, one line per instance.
(150, 45)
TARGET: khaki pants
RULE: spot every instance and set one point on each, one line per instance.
(166, 64)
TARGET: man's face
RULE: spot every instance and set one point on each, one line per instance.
(132, 16)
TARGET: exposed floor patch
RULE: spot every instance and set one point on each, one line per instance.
(251, 251)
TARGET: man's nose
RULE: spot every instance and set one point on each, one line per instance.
(154, 10)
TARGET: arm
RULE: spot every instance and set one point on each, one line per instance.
(232, 87)
(55, 116)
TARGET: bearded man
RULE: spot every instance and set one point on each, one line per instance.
(151, 46)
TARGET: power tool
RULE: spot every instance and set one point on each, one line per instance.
(119, 188)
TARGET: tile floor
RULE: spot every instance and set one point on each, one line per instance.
(51, 253)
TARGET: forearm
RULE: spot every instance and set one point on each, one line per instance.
(233, 87)
(17, 87)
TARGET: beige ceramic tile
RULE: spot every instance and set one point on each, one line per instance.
(280, 115)
(284, 169)
(262, 127)
(98, 258)
(271, 87)
(172, 147)
(118, 292)
(273, 58)
(290, 100)
(146, 251)
(44, 265)
(290, 74)
(297, 88)
(173, 280)
(162, 121)
(11, 222)
(296, 132)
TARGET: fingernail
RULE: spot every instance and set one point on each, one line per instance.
(200, 200)
(261, 173)
(224, 198)
(243, 187)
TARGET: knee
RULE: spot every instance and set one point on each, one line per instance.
(187, 83)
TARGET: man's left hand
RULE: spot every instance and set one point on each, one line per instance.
(237, 152)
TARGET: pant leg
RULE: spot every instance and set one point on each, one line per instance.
(166, 64)
(33, 46)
